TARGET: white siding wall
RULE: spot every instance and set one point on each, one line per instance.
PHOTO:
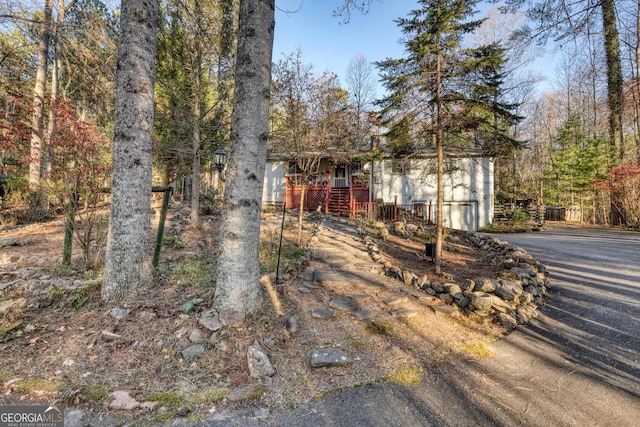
(274, 183)
(468, 192)
(468, 188)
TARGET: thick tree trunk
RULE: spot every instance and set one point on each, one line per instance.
(128, 258)
(614, 75)
(37, 204)
(238, 288)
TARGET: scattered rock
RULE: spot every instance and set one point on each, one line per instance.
(329, 357)
(343, 303)
(404, 313)
(365, 314)
(210, 320)
(451, 310)
(269, 343)
(258, 362)
(109, 336)
(122, 401)
(192, 351)
(8, 241)
(197, 336)
(360, 298)
(291, 325)
(322, 313)
(118, 313)
(396, 300)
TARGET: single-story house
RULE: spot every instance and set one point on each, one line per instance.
(391, 188)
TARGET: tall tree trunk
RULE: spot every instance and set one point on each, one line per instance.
(440, 159)
(238, 287)
(636, 86)
(614, 75)
(195, 137)
(128, 258)
(37, 202)
(51, 125)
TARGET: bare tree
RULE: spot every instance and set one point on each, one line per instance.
(362, 92)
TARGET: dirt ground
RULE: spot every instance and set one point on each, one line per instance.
(63, 353)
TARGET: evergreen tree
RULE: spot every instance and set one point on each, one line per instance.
(576, 162)
(436, 86)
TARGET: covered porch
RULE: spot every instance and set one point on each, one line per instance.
(335, 190)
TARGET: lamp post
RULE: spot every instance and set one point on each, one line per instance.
(219, 159)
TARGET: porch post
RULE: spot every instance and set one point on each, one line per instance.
(328, 195)
(395, 208)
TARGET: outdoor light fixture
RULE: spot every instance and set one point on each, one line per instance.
(219, 159)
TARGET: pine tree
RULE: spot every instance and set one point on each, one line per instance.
(436, 86)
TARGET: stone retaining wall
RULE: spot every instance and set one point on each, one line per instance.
(511, 299)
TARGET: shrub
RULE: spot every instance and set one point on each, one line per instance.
(517, 215)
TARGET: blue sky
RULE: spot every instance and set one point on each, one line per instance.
(329, 45)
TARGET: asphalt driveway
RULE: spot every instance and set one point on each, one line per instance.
(578, 364)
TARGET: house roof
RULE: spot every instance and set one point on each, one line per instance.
(428, 153)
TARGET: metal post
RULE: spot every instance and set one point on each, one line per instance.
(284, 210)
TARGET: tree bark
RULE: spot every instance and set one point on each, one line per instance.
(128, 258)
(437, 261)
(36, 200)
(51, 126)
(636, 86)
(195, 137)
(238, 287)
(614, 75)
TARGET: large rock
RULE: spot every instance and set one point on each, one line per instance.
(505, 293)
(453, 289)
(512, 288)
(12, 302)
(481, 301)
(258, 362)
(500, 305)
(343, 304)
(484, 284)
(210, 320)
(329, 356)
